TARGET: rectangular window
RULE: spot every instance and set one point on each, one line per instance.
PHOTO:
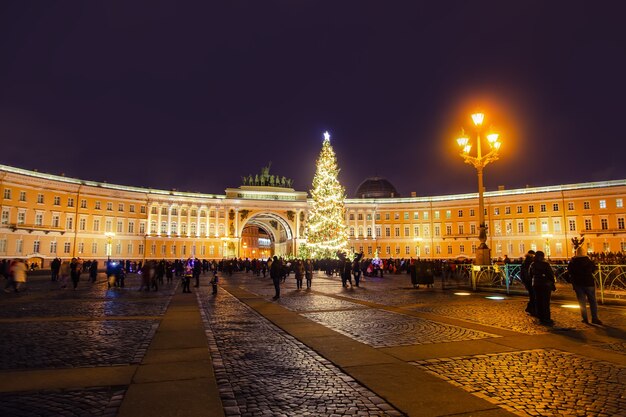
(388, 250)
(448, 214)
(7, 193)
(531, 209)
(369, 232)
(587, 224)
(120, 207)
(81, 248)
(108, 226)
(55, 220)
(53, 247)
(472, 212)
(387, 216)
(153, 249)
(69, 223)
(129, 249)
(19, 245)
(519, 209)
(570, 206)
(407, 250)
(377, 216)
(572, 225)
(496, 211)
(472, 229)
(120, 226)
(508, 227)
(141, 249)
(142, 209)
(407, 231)
(83, 204)
(97, 205)
(532, 226)
(448, 230)
(5, 216)
(437, 231)
(416, 215)
(82, 224)
(70, 202)
(118, 249)
(507, 210)
(360, 216)
(462, 248)
(351, 217)
(436, 215)
(21, 217)
(416, 231)
(397, 231)
(460, 213)
(369, 216)
(619, 203)
(67, 246)
(40, 198)
(604, 224)
(36, 246)
(378, 234)
(520, 227)
(555, 207)
(38, 219)
(57, 200)
(94, 248)
(3, 245)
(109, 206)
(461, 229)
(387, 231)
(396, 216)
(96, 225)
(406, 215)
(544, 226)
(22, 195)
(586, 205)
(620, 223)
(425, 215)
(602, 204)
(556, 226)
(131, 227)
(542, 208)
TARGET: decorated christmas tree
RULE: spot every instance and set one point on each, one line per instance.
(326, 227)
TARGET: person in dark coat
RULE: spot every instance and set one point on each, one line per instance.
(581, 270)
(275, 274)
(356, 268)
(527, 280)
(543, 285)
(425, 273)
(413, 272)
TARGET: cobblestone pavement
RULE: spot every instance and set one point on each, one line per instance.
(382, 328)
(85, 308)
(89, 402)
(619, 347)
(539, 382)
(73, 343)
(263, 371)
(303, 301)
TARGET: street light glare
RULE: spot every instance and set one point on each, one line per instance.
(462, 141)
(478, 118)
(492, 137)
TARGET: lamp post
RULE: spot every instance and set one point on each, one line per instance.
(479, 161)
(109, 236)
(547, 237)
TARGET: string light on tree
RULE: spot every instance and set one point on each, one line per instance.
(326, 231)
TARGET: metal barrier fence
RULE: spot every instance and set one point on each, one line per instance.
(610, 279)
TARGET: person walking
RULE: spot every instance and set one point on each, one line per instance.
(17, 276)
(581, 269)
(527, 280)
(543, 285)
(275, 274)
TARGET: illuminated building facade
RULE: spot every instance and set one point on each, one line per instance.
(46, 216)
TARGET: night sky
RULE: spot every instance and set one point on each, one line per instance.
(176, 95)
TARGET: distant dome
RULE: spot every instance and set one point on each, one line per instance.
(376, 187)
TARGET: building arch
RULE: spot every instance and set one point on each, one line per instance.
(278, 228)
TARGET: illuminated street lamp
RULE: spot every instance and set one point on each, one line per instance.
(110, 236)
(547, 237)
(479, 161)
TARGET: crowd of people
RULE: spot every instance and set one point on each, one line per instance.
(536, 273)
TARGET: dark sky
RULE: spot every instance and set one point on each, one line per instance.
(176, 95)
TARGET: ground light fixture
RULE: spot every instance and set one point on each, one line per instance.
(575, 306)
(462, 293)
(495, 297)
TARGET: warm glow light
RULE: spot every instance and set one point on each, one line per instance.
(478, 118)
(462, 141)
(326, 135)
(497, 145)
(467, 148)
(462, 293)
(492, 137)
(496, 297)
(575, 306)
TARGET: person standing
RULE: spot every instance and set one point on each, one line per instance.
(527, 280)
(356, 268)
(55, 265)
(75, 269)
(197, 269)
(543, 285)
(93, 271)
(299, 270)
(581, 269)
(17, 275)
(275, 273)
(308, 273)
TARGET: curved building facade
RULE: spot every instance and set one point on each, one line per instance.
(46, 216)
